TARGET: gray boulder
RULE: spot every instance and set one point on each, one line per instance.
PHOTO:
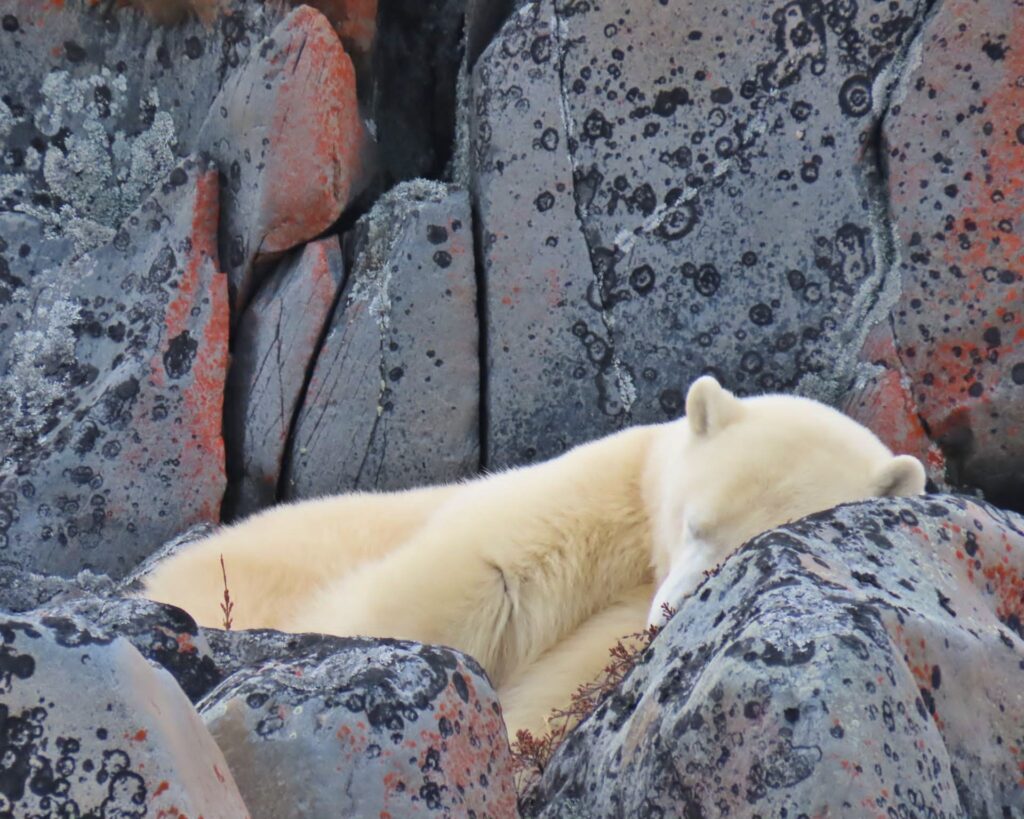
(91, 729)
(276, 345)
(377, 728)
(954, 136)
(674, 188)
(864, 661)
(110, 428)
(394, 397)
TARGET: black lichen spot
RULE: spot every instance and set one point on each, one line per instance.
(1017, 374)
(437, 234)
(642, 279)
(855, 96)
(666, 102)
(459, 682)
(721, 96)
(443, 258)
(944, 603)
(194, 48)
(678, 222)
(545, 201)
(595, 127)
(181, 352)
(761, 314)
(10, 23)
(671, 401)
(994, 51)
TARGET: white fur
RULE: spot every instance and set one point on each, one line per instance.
(537, 571)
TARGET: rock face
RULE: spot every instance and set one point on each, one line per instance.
(285, 130)
(956, 152)
(393, 400)
(276, 343)
(91, 729)
(379, 728)
(112, 397)
(865, 661)
(98, 106)
(164, 635)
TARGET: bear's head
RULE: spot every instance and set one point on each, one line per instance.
(735, 467)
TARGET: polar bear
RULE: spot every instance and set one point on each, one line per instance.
(536, 571)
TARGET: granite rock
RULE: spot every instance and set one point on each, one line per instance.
(112, 398)
(393, 400)
(89, 728)
(276, 344)
(955, 144)
(286, 132)
(699, 188)
(165, 635)
(865, 661)
(378, 728)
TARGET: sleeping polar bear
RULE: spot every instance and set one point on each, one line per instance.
(537, 571)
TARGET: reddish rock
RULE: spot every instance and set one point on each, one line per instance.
(286, 132)
(276, 344)
(112, 401)
(956, 156)
(882, 399)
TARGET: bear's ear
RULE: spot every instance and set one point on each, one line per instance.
(710, 407)
(902, 476)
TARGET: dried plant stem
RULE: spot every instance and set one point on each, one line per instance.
(228, 605)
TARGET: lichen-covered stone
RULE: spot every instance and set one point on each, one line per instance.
(165, 635)
(89, 728)
(955, 136)
(697, 184)
(377, 728)
(276, 343)
(394, 397)
(98, 104)
(22, 591)
(286, 132)
(111, 403)
(864, 661)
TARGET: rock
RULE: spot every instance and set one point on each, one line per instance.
(394, 397)
(379, 728)
(91, 729)
(276, 345)
(864, 661)
(22, 591)
(955, 143)
(132, 583)
(110, 408)
(253, 648)
(165, 635)
(882, 399)
(98, 106)
(716, 213)
(286, 132)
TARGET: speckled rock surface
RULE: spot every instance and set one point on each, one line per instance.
(286, 131)
(112, 399)
(165, 635)
(955, 136)
(380, 728)
(22, 591)
(394, 397)
(698, 186)
(862, 662)
(276, 344)
(97, 105)
(91, 729)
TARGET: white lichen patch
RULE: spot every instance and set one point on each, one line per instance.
(97, 175)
